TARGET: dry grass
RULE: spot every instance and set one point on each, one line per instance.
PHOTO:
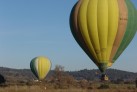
(113, 88)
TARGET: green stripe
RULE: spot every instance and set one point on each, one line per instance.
(102, 67)
(130, 31)
(32, 66)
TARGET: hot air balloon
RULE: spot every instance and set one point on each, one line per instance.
(103, 28)
(40, 66)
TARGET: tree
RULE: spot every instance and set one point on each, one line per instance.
(59, 70)
(61, 78)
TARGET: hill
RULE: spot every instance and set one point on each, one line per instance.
(25, 75)
(113, 74)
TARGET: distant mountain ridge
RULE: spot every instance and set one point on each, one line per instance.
(19, 75)
(113, 74)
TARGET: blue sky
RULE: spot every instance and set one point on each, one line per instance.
(30, 28)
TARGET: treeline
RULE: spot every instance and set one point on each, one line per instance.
(59, 78)
(113, 74)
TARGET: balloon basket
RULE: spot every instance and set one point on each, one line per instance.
(104, 77)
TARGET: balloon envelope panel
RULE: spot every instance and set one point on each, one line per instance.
(103, 28)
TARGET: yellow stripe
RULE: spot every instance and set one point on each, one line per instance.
(92, 26)
(47, 68)
(82, 23)
(103, 26)
(39, 68)
(43, 67)
(113, 16)
(43, 74)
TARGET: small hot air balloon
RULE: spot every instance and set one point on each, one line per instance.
(40, 66)
(103, 28)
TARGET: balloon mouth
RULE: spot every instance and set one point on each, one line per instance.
(103, 66)
(109, 64)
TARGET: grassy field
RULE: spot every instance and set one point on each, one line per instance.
(113, 88)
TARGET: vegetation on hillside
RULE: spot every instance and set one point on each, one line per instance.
(61, 79)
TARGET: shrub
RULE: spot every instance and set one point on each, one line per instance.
(2, 79)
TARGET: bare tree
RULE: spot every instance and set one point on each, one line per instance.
(59, 70)
(61, 78)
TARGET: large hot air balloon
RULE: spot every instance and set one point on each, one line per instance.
(40, 66)
(103, 28)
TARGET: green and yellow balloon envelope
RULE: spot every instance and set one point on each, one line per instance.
(40, 66)
(103, 28)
